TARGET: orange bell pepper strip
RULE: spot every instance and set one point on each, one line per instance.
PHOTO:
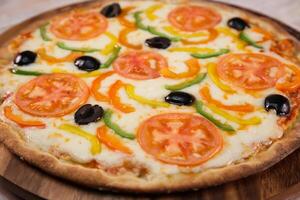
(213, 34)
(8, 113)
(124, 41)
(266, 35)
(52, 60)
(111, 141)
(193, 70)
(97, 84)
(115, 99)
(293, 83)
(205, 93)
(122, 18)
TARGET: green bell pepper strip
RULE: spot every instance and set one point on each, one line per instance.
(43, 33)
(198, 79)
(248, 40)
(223, 126)
(112, 58)
(77, 49)
(115, 127)
(25, 73)
(151, 29)
(210, 55)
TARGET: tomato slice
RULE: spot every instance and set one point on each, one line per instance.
(52, 95)
(193, 18)
(137, 65)
(180, 138)
(79, 25)
(252, 71)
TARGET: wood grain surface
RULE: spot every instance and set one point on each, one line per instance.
(278, 182)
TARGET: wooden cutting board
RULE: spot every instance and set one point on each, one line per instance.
(31, 183)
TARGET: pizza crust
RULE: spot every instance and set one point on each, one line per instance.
(98, 178)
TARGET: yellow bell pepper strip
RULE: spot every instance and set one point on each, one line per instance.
(172, 30)
(113, 126)
(151, 29)
(243, 36)
(193, 69)
(25, 73)
(8, 113)
(97, 84)
(112, 58)
(132, 95)
(81, 75)
(191, 49)
(205, 94)
(196, 80)
(124, 41)
(213, 34)
(251, 121)
(78, 49)
(219, 124)
(95, 144)
(150, 11)
(52, 60)
(210, 55)
(110, 46)
(228, 32)
(293, 83)
(115, 99)
(43, 32)
(211, 71)
(122, 18)
(111, 141)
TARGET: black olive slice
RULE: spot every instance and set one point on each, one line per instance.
(237, 23)
(111, 10)
(25, 58)
(87, 63)
(180, 98)
(87, 114)
(158, 42)
(278, 103)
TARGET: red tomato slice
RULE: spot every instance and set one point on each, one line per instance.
(252, 71)
(194, 18)
(52, 95)
(79, 25)
(137, 65)
(180, 138)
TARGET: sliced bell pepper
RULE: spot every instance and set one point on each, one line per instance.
(138, 21)
(210, 55)
(81, 75)
(122, 17)
(110, 46)
(95, 144)
(52, 60)
(213, 34)
(25, 73)
(111, 141)
(228, 32)
(115, 99)
(251, 121)
(267, 35)
(124, 41)
(191, 49)
(243, 36)
(62, 45)
(150, 11)
(131, 94)
(205, 94)
(8, 113)
(172, 30)
(112, 57)
(201, 111)
(196, 80)
(43, 32)
(193, 69)
(294, 83)
(107, 120)
(211, 70)
(97, 84)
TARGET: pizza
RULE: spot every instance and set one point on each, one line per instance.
(150, 96)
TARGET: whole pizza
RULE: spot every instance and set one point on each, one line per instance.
(150, 96)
